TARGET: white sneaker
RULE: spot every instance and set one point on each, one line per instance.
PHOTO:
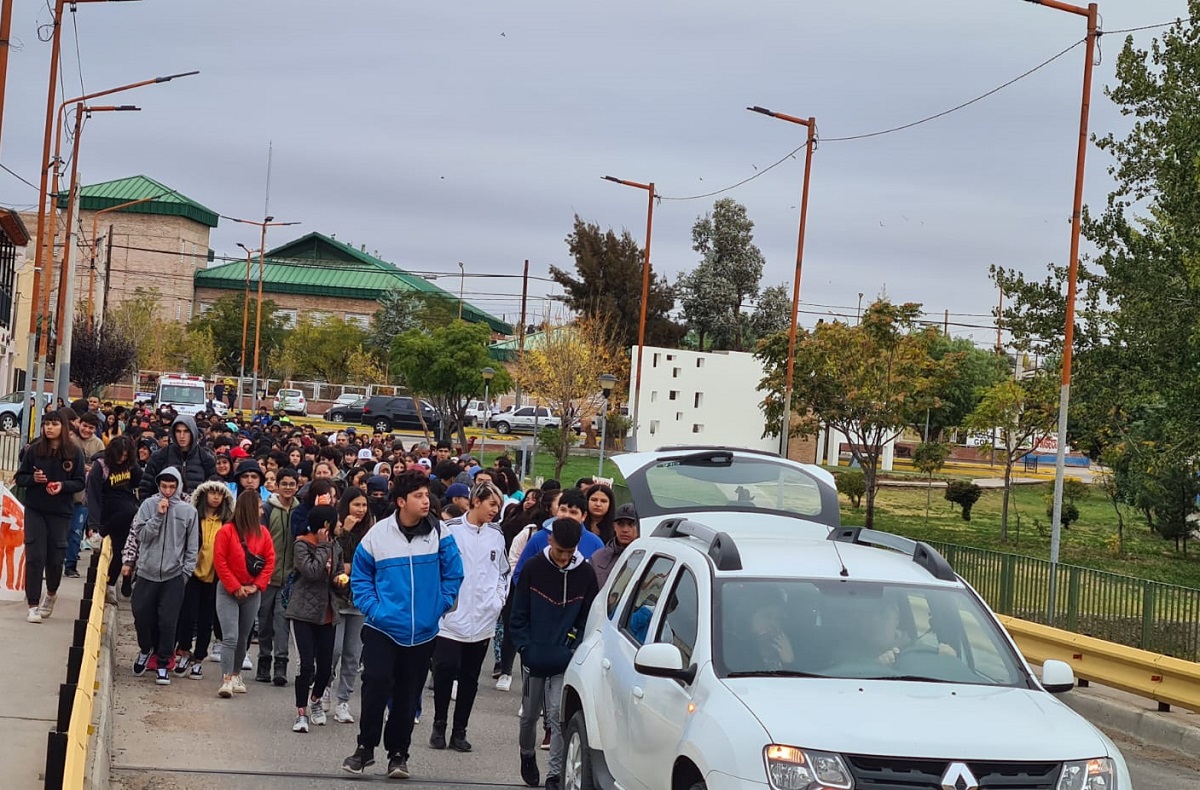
(342, 714)
(326, 699)
(454, 692)
(504, 683)
(520, 711)
(215, 655)
(239, 685)
(316, 712)
(34, 615)
(247, 664)
(47, 607)
(301, 724)
(226, 690)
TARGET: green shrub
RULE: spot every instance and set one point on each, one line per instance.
(930, 457)
(1075, 490)
(1070, 513)
(965, 494)
(852, 483)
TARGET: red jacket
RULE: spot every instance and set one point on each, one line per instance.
(230, 560)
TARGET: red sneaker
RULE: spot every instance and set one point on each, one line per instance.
(153, 662)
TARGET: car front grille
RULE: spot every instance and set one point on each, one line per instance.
(898, 773)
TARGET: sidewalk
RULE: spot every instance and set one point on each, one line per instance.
(34, 658)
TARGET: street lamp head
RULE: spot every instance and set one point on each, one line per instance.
(614, 179)
(488, 373)
(268, 219)
(761, 110)
(607, 382)
(170, 77)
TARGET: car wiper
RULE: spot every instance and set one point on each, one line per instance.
(774, 673)
(921, 678)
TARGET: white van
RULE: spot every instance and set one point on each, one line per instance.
(185, 394)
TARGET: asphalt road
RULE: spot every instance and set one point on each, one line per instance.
(183, 736)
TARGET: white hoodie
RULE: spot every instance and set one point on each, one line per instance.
(485, 582)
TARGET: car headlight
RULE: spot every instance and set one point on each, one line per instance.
(1098, 774)
(790, 768)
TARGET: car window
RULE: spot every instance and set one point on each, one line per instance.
(525, 412)
(861, 630)
(403, 403)
(636, 622)
(358, 404)
(681, 620)
(180, 394)
(624, 576)
(15, 397)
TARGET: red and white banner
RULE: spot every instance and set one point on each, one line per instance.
(12, 546)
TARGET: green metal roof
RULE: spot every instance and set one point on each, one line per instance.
(160, 199)
(509, 350)
(317, 265)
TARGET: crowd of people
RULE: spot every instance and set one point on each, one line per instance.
(404, 563)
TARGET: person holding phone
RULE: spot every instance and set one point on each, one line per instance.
(51, 473)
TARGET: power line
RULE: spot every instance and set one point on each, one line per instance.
(20, 178)
(78, 56)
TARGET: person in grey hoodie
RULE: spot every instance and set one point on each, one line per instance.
(163, 544)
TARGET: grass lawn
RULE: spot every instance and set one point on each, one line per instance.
(1091, 542)
(576, 467)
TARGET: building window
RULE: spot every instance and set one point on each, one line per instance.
(654, 361)
(699, 362)
(288, 317)
(360, 320)
(674, 373)
(653, 396)
(205, 307)
(317, 317)
(670, 357)
(699, 400)
(653, 427)
(697, 428)
(673, 395)
(678, 416)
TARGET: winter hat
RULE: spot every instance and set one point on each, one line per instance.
(377, 483)
(249, 465)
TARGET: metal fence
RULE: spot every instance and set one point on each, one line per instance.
(10, 452)
(1161, 618)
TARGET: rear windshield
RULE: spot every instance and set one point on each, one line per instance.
(180, 393)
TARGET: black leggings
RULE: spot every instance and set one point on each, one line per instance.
(459, 661)
(508, 651)
(117, 535)
(197, 616)
(45, 549)
(314, 643)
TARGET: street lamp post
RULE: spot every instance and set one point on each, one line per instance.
(785, 428)
(487, 373)
(1092, 13)
(607, 382)
(245, 323)
(637, 385)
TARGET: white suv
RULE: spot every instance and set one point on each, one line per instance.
(775, 656)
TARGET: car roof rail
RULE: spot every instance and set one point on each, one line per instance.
(671, 448)
(922, 553)
(721, 549)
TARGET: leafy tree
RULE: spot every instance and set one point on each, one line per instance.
(607, 285)
(975, 371)
(399, 311)
(444, 365)
(725, 237)
(853, 484)
(705, 295)
(224, 321)
(866, 381)
(363, 368)
(1022, 414)
(930, 457)
(201, 352)
(965, 494)
(773, 313)
(137, 318)
(323, 348)
(101, 354)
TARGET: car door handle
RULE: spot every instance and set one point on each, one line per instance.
(638, 692)
(605, 664)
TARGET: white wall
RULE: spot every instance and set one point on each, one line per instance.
(689, 397)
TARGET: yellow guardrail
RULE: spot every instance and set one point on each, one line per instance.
(80, 731)
(1167, 680)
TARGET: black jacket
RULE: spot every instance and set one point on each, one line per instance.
(112, 496)
(550, 610)
(196, 465)
(69, 473)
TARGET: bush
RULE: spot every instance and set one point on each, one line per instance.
(1075, 490)
(965, 494)
(852, 483)
(1070, 513)
(929, 457)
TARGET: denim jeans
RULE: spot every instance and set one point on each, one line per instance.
(79, 517)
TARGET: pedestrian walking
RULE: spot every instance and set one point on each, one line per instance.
(183, 451)
(465, 632)
(160, 553)
(554, 593)
(214, 507)
(272, 625)
(354, 521)
(625, 531)
(313, 612)
(406, 574)
(112, 486)
(244, 556)
(85, 429)
(51, 472)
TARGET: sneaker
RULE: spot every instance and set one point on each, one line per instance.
(437, 736)
(163, 678)
(226, 690)
(197, 671)
(520, 711)
(153, 663)
(110, 596)
(71, 572)
(454, 692)
(342, 714)
(239, 687)
(182, 662)
(397, 767)
(545, 747)
(327, 699)
(362, 759)
(263, 674)
(554, 782)
(529, 770)
(504, 683)
(496, 673)
(459, 742)
(316, 712)
(34, 616)
(47, 607)
(247, 664)
(215, 655)
(279, 678)
(139, 663)
(301, 724)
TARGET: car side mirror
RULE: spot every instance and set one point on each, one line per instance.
(1057, 677)
(661, 660)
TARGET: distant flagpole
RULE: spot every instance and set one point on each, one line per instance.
(267, 200)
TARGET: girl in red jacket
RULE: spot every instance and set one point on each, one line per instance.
(244, 556)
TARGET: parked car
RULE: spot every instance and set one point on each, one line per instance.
(386, 413)
(346, 398)
(291, 402)
(526, 419)
(476, 413)
(347, 412)
(11, 409)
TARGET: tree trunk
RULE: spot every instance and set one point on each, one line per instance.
(1008, 462)
(869, 477)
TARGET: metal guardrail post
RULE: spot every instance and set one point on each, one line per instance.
(1148, 618)
(1008, 574)
(56, 757)
(1073, 574)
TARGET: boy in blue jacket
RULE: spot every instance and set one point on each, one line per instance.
(406, 574)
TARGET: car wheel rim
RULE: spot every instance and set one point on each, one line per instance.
(338, 418)
(573, 767)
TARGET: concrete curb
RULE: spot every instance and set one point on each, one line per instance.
(96, 774)
(1148, 726)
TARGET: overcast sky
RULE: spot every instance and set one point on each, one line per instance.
(473, 131)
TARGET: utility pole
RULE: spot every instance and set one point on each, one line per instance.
(62, 369)
(521, 327)
(999, 323)
(6, 10)
(107, 273)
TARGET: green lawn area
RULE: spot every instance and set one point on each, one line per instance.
(576, 467)
(1091, 542)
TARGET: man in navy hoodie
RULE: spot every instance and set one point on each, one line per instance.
(406, 574)
(550, 609)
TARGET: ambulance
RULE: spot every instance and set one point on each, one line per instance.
(185, 394)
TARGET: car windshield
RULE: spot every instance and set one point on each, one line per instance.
(862, 630)
(179, 393)
(722, 481)
(290, 393)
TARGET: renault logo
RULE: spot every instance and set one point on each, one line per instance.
(959, 777)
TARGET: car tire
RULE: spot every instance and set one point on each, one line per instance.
(382, 425)
(700, 786)
(338, 418)
(503, 427)
(577, 762)
(8, 421)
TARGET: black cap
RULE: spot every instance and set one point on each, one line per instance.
(626, 512)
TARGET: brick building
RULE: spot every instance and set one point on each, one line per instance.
(317, 275)
(13, 333)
